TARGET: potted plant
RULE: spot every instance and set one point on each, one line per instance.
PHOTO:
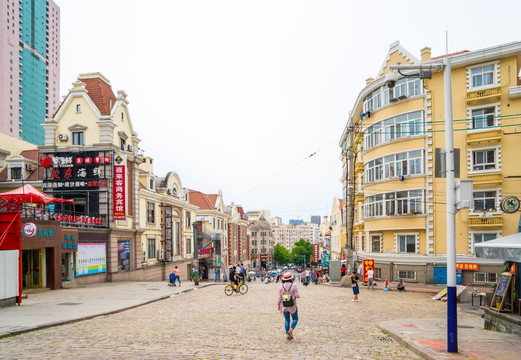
(498, 302)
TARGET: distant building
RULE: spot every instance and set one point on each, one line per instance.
(257, 214)
(276, 221)
(315, 219)
(29, 67)
(296, 222)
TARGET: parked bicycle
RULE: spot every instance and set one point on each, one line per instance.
(231, 288)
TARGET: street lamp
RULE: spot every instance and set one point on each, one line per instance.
(452, 318)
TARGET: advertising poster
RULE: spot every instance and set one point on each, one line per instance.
(315, 252)
(124, 255)
(118, 186)
(327, 257)
(368, 263)
(91, 259)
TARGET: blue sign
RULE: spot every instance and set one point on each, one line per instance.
(327, 257)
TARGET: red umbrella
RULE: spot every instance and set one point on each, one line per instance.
(29, 194)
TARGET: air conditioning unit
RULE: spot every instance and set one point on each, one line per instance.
(161, 254)
(63, 137)
(129, 147)
(144, 256)
(29, 167)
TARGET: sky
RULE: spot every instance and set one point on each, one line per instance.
(252, 97)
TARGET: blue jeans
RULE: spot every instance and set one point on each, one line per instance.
(295, 320)
(178, 278)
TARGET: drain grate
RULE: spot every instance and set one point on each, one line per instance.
(384, 339)
(69, 303)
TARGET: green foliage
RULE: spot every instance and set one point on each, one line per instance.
(281, 254)
(303, 250)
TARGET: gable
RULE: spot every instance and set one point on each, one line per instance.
(396, 54)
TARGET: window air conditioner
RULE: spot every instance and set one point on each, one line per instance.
(63, 137)
(29, 167)
(161, 254)
(144, 256)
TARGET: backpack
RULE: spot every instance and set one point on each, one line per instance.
(287, 299)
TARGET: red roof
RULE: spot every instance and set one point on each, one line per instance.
(100, 93)
(453, 54)
(200, 200)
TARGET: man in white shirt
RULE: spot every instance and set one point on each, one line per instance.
(370, 278)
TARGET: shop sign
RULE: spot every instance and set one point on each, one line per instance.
(69, 245)
(206, 251)
(91, 259)
(327, 257)
(510, 204)
(119, 200)
(368, 264)
(467, 266)
(315, 252)
(29, 230)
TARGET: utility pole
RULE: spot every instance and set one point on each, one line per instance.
(196, 255)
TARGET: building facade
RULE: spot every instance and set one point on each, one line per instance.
(238, 243)
(29, 67)
(262, 243)
(392, 151)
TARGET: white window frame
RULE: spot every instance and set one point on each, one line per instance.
(393, 203)
(396, 129)
(471, 109)
(407, 273)
(78, 135)
(496, 202)
(497, 158)
(488, 277)
(379, 239)
(380, 168)
(473, 233)
(495, 77)
(397, 242)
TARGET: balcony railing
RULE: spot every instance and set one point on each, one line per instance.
(487, 222)
(491, 135)
(484, 94)
(487, 179)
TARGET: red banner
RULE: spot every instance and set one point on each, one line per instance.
(315, 252)
(118, 188)
(368, 264)
(467, 266)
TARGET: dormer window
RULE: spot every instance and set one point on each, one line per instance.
(16, 173)
(123, 137)
(151, 183)
(77, 138)
(122, 144)
(174, 191)
(78, 108)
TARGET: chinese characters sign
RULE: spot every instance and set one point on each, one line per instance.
(368, 264)
(119, 203)
(467, 266)
(315, 252)
(91, 259)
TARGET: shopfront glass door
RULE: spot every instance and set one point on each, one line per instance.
(35, 269)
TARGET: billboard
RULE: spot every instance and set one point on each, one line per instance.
(91, 259)
(120, 163)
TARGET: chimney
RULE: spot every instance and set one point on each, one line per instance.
(368, 81)
(426, 54)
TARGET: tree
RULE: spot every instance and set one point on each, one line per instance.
(280, 254)
(302, 252)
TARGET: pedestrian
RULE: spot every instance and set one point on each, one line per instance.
(307, 275)
(177, 277)
(192, 276)
(400, 286)
(343, 270)
(370, 278)
(287, 303)
(354, 284)
(386, 285)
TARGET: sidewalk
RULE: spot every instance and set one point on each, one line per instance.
(50, 308)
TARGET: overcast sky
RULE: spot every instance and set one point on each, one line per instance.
(236, 95)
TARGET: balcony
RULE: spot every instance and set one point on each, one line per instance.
(359, 167)
(487, 179)
(488, 222)
(492, 135)
(490, 93)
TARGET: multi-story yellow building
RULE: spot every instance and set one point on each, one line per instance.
(393, 152)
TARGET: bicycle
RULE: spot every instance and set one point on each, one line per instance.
(230, 288)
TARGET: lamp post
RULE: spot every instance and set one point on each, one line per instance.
(196, 255)
(452, 318)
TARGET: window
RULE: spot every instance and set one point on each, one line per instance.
(177, 244)
(77, 138)
(151, 183)
(151, 208)
(407, 244)
(484, 160)
(188, 221)
(16, 173)
(407, 275)
(380, 97)
(482, 76)
(485, 277)
(122, 144)
(395, 203)
(481, 237)
(376, 243)
(151, 248)
(378, 274)
(396, 165)
(78, 108)
(401, 126)
(485, 200)
(483, 118)
(188, 246)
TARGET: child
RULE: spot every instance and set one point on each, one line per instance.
(386, 285)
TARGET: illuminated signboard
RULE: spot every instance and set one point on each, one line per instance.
(119, 200)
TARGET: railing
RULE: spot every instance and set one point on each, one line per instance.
(490, 135)
(483, 94)
(492, 221)
(487, 178)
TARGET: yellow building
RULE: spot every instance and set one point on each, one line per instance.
(393, 160)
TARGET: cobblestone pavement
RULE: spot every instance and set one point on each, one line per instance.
(207, 324)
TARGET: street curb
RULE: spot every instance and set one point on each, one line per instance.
(65, 322)
(418, 350)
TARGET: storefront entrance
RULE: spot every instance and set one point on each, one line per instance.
(32, 268)
(68, 262)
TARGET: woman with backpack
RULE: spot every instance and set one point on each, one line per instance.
(287, 303)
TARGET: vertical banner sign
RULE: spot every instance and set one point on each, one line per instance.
(368, 263)
(315, 252)
(118, 187)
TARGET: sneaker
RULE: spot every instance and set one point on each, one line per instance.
(352, 299)
(290, 335)
(356, 300)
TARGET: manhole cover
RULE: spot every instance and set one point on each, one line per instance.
(384, 339)
(69, 303)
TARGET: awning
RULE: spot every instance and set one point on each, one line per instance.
(505, 248)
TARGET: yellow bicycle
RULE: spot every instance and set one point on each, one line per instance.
(230, 288)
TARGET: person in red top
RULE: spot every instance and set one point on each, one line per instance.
(176, 273)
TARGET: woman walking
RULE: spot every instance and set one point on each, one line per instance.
(354, 283)
(287, 303)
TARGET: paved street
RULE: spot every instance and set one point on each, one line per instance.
(206, 324)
